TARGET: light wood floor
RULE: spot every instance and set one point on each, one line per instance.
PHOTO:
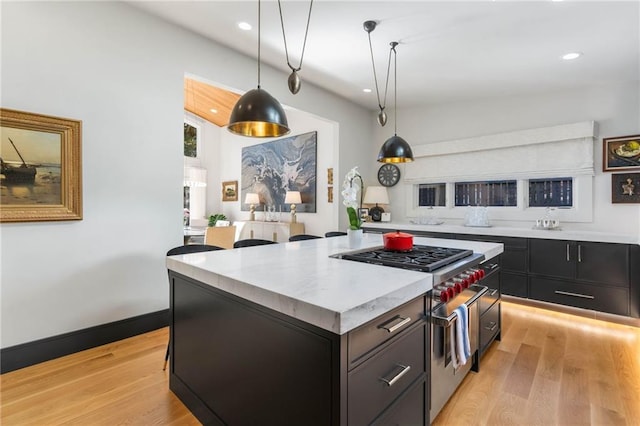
(549, 369)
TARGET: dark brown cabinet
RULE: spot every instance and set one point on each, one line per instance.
(228, 354)
(586, 275)
(604, 277)
(514, 262)
(603, 263)
(490, 314)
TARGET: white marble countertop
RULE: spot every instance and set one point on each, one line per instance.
(507, 231)
(301, 280)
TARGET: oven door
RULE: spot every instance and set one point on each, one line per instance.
(445, 379)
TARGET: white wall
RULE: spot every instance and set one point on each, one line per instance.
(616, 109)
(120, 72)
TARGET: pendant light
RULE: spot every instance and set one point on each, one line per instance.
(382, 115)
(293, 81)
(258, 114)
(395, 149)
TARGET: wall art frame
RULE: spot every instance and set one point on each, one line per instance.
(230, 190)
(625, 188)
(41, 167)
(270, 169)
(621, 153)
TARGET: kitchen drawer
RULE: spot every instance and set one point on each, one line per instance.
(408, 410)
(489, 326)
(400, 364)
(489, 298)
(614, 300)
(372, 334)
(514, 284)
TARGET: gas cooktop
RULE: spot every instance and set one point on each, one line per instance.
(421, 258)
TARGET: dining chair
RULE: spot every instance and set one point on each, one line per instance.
(186, 249)
(221, 236)
(334, 234)
(301, 237)
(252, 242)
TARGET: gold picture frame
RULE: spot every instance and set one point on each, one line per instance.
(230, 190)
(621, 153)
(41, 173)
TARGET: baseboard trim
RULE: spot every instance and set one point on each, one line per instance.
(26, 354)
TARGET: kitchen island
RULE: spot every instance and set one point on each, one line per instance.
(289, 334)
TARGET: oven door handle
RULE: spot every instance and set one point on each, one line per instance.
(446, 321)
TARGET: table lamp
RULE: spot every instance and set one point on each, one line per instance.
(293, 198)
(376, 195)
(252, 199)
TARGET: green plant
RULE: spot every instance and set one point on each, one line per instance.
(350, 195)
(216, 217)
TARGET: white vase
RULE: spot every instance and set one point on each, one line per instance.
(355, 238)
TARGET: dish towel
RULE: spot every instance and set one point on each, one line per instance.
(452, 345)
(463, 347)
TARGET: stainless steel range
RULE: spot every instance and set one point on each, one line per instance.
(421, 258)
(457, 278)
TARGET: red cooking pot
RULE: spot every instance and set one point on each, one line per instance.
(397, 241)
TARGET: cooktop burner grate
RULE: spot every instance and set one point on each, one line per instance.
(421, 258)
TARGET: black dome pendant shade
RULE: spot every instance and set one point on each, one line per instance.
(395, 150)
(257, 114)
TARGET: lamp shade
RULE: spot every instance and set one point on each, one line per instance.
(258, 114)
(293, 197)
(376, 195)
(252, 198)
(395, 150)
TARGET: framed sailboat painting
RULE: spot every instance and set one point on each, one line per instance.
(40, 170)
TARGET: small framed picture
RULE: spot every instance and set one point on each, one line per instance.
(621, 153)
(363, 213)
(625, 188)
(230, 191)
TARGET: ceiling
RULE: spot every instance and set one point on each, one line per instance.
(211, 103)
(449, 51)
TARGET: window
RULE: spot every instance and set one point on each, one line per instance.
(499, 193)
(557, 192)
(430, 195)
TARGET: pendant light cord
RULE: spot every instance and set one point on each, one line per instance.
(259, 44)
(375, 76)
(304, 43)
(395, 85)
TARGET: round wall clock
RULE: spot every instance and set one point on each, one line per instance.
(388, 174)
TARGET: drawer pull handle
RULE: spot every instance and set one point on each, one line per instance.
(568, 258)
(405, 369)
(566, 293)
(580, 253)
(493, 292)
(394, 327)
(493, 266)
(492, 326)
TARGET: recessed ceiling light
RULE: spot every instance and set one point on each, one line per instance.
(244, 26)
(213, 110)
(366, 90)
(571, 56)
